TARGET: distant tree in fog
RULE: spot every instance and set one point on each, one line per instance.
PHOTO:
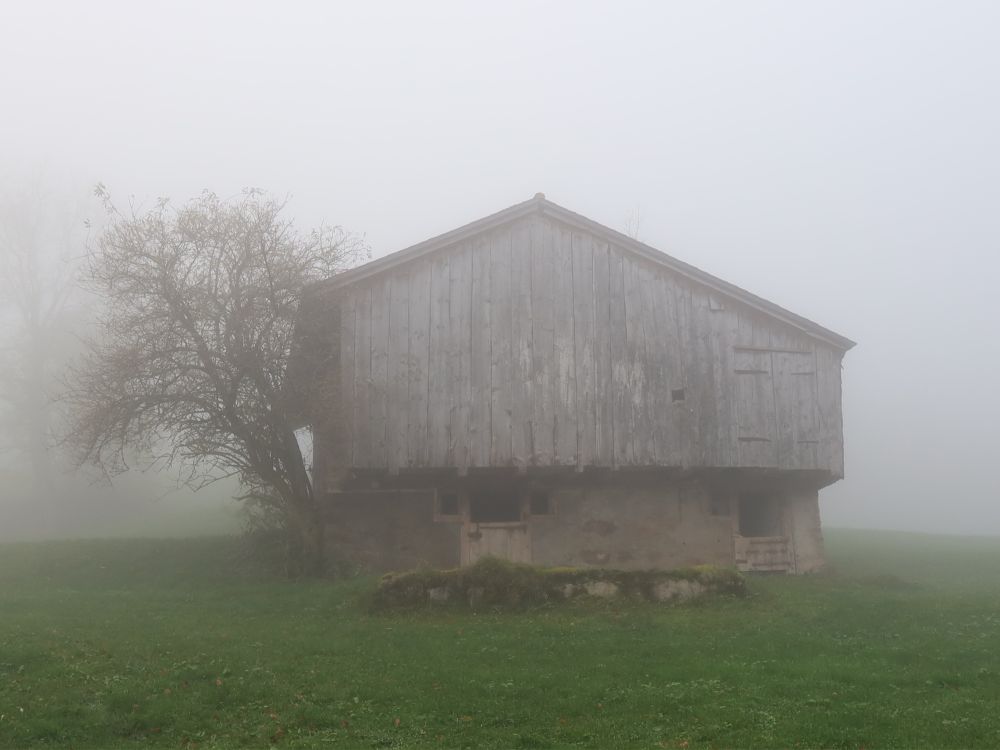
(632, 224)
(41, 241)
(199, 303)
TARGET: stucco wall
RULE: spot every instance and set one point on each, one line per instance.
(666, 525)
(633, 529)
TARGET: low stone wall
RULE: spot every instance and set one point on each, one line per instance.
(497, 583)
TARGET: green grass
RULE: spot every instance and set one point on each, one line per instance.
(108, 644)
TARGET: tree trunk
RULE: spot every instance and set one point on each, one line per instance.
(305, 524)
(37, 427)
(305, 544)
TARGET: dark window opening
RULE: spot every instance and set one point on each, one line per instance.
(448, 504)
(677, 394)
(538, 504)
(494, 507)
(759, 515)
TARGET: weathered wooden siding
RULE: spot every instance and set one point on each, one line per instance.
(538, 344)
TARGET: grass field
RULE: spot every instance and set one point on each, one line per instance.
(175, 643)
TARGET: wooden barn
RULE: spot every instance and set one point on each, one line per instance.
(538, 387)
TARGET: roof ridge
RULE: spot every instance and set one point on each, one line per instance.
(540, 203)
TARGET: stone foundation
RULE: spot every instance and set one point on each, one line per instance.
(497, 583)
(648, 522)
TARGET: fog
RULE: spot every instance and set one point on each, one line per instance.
(839, 159)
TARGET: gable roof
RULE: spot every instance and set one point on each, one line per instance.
(539, 203)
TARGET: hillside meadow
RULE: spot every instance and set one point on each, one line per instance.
(188, 644)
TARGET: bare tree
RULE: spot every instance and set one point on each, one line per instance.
(41, 240)
(632, 223)
(200, 304)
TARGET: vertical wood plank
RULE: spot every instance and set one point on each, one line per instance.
(378, 400)
(762, 332)
(419, 301)
(584, 335)
(705, 378)
(668, 372)
(621, 412)
(522, 357)
(719, 439)
(565, 386)
(783, 338)
(439, 362)
(501, 347)
(744, 329)
(784, 416)
(460, 357)
(344, 411)
(656, 376)
(640, 418)
(361, 411)
(480, 356)
(829, 411)
(727, 446)
(543, 391)
(603, 386)
(685, 413)
(399, 370)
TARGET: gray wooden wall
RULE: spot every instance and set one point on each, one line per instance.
(538, 344)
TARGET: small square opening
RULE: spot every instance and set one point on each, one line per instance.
(448, 504)
(759, 515)
(677, 394)
(539, 503)
(494, 507)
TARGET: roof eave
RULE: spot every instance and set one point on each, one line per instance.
(430, 245)
(702, 277)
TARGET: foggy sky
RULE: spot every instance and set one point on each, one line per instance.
(840, 159)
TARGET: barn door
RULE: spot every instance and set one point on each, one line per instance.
(795, 407)
(495, 527)
(755, 418)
